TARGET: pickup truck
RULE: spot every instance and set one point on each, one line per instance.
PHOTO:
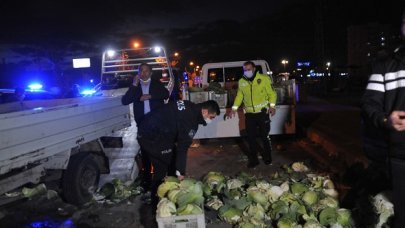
(226, 76)
(82, 142)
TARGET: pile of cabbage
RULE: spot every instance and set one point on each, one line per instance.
(292, 197)
(180, 197)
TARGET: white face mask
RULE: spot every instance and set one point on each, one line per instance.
(208, 120)
(248, 73)
(145, 81)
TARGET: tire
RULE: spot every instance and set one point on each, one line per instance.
(80, 179)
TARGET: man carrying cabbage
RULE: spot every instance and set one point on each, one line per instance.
(172, 126)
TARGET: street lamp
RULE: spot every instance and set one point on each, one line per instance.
(176, 54)
(191, 63)
(136, 44)
(327, 65)
(284, 62)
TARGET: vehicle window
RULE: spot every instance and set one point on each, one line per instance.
(259, 68)
(215, 75)
(233, 74)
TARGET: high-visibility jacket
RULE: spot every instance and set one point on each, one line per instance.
(255, 94)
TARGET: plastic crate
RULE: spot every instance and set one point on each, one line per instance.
(182, 221)
(221, 99)
(198, 97)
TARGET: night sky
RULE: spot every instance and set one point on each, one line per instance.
(201, 30)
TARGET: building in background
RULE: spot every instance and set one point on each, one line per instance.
(365, 44)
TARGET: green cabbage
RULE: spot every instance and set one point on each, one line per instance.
(165, 208)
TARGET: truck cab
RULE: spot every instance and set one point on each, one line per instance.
(227, 74)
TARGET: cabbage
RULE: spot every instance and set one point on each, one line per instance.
(328, 216)
(274, 193)
(165, 208)
(255, 211)
(344, 217)
(383, 207)
(286, 222)
(240, 204)
(234, 183)
(328, 184)
(214, 203)
(214, 182)
(31, 192)
(299, 167)
(168, 184)
(312, 224)
(285, 186)
(278, 209)
(329, 202)
(257, 195)
(245, 225)
(189, 209)
(174, 193)
(331, 192)
(187, 183)
(230, 215)
(233, 193)
(214, 178)
(264, 185)
(310, 198)
(298, 188)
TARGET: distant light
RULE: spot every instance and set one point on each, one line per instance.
(87, 92)
(299, 64)
(136, 44)
(91, 80)
(35, 86)
(81, 63)
(110, 53)
(157, 49)
(191, 63)
(176, 54)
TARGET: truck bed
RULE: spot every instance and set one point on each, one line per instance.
(35, 130)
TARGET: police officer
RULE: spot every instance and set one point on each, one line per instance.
(173, 125)
(259, 98)
(145, 94)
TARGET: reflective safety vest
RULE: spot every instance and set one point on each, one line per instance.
(256, 94)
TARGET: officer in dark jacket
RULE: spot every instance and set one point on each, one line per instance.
(175, 124)
(384, 108)
(145, 94)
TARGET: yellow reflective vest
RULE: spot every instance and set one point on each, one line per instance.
(256, 94)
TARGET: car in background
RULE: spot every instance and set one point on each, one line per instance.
(8, 95)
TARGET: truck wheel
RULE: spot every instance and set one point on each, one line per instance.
(80, 179)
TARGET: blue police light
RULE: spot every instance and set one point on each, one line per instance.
(87, 92)
(35, 86)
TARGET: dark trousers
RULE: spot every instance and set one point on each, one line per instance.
(160, 155)
(398, 190)
(146, 174)
(262, 121)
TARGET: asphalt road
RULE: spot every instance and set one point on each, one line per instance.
(223, 155)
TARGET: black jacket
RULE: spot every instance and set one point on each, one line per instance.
(384, 94)
(156, 89)
(174, 123)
